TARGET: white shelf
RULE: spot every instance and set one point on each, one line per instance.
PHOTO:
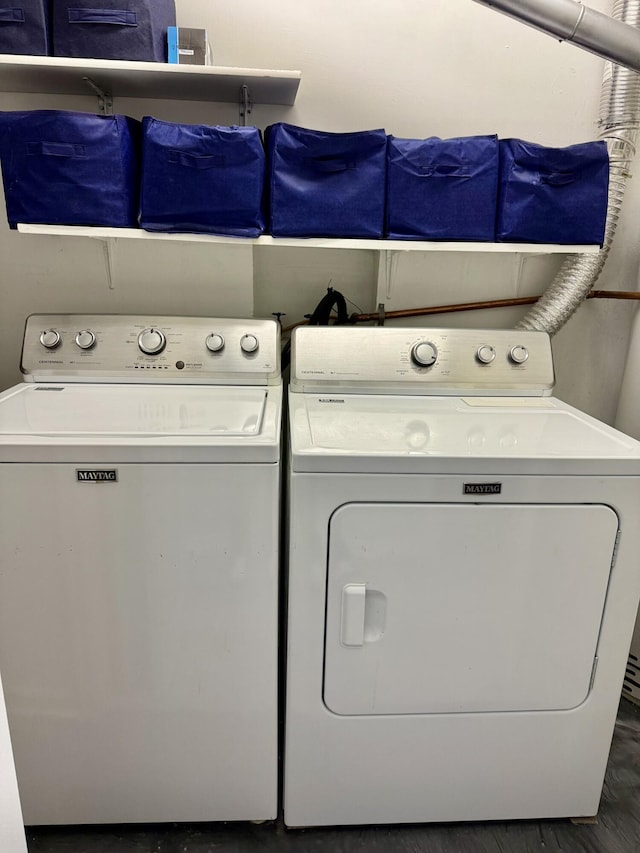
(305, 243)
(59, 75)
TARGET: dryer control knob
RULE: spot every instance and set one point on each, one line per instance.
(50, 339)
(249, 344)
(86, 339)
(215, 342)
(424, 353)
(518, 354)
(485, 354)
(151, 341)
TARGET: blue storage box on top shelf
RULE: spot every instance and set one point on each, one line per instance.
(442, 189)
(326, 184)
(202, 179)
(24, 28)
(112, 29)
(552, 195)
(68, 168)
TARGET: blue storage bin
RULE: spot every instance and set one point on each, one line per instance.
(68, 168)
(112, 29)
(326, 184)
(552, 195)
(24, 27)
(442, 189)
(203, 179)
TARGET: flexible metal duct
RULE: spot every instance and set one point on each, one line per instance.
(619, 122)
(569, 20)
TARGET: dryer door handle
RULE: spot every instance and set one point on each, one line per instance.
(354, 596)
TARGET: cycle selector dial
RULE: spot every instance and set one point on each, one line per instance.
(86, 339)
(215, 342)
(151, 341)
(424, 353)
(249, 344)
(485, 354)
(518, 354)
(50, 339)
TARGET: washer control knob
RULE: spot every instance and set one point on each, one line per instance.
(485, 354)
(152, 341)
(50, 339)
(518, 354)
(249, 344)
(424, 353)
(215, 342)
(86, 339)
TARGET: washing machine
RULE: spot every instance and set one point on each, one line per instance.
(139, 518)
(463, 580)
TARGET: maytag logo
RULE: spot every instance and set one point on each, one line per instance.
(330, 400)
(91, 475)
(482, 488)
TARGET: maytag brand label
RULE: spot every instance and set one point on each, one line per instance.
(92, 475)
(482, 488)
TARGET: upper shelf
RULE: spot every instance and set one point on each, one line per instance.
(59, 75)
(306, 243)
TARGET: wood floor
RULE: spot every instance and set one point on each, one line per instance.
(617, 829)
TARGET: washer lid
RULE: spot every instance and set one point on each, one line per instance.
(143, 416)
(367, 434)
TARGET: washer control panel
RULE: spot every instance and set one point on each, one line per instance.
(392, 359)
(110, 347)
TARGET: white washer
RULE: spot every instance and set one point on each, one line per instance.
(139, 509)
(463, 580)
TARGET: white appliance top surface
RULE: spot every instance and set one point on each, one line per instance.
(159, 422)
(392, 433)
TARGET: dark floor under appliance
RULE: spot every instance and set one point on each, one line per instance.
(617, 829)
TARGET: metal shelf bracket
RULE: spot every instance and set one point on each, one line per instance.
(105, 99)
(246, 104)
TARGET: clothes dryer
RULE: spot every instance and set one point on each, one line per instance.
(139, 519)
(462, 580)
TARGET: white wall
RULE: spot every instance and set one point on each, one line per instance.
(436, 67)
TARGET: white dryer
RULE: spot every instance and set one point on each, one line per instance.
(139, 510)
(462, 583)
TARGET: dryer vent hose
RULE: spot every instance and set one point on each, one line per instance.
(619, 123)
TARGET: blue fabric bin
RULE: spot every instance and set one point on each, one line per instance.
(112, 29)
(442, 189)
(24, 27)
(203, 179)
(552, 195)
(67, 168)
(326, 184)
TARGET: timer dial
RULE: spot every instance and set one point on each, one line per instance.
(424, 353)
(151, 341)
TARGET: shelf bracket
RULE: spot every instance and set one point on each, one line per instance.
(105, 99)
(108, 248)
(387, 265)
(246, 104)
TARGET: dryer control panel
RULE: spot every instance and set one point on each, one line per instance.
(401, 360)
(124, 348)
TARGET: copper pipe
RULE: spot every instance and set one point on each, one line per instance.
(470, 306)
(476, 306)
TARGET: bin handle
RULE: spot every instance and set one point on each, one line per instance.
(56, 149)
(197, 161)
(11, 15)
(557, 179)
(118, 17)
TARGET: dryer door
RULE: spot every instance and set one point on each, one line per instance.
(453, 608)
